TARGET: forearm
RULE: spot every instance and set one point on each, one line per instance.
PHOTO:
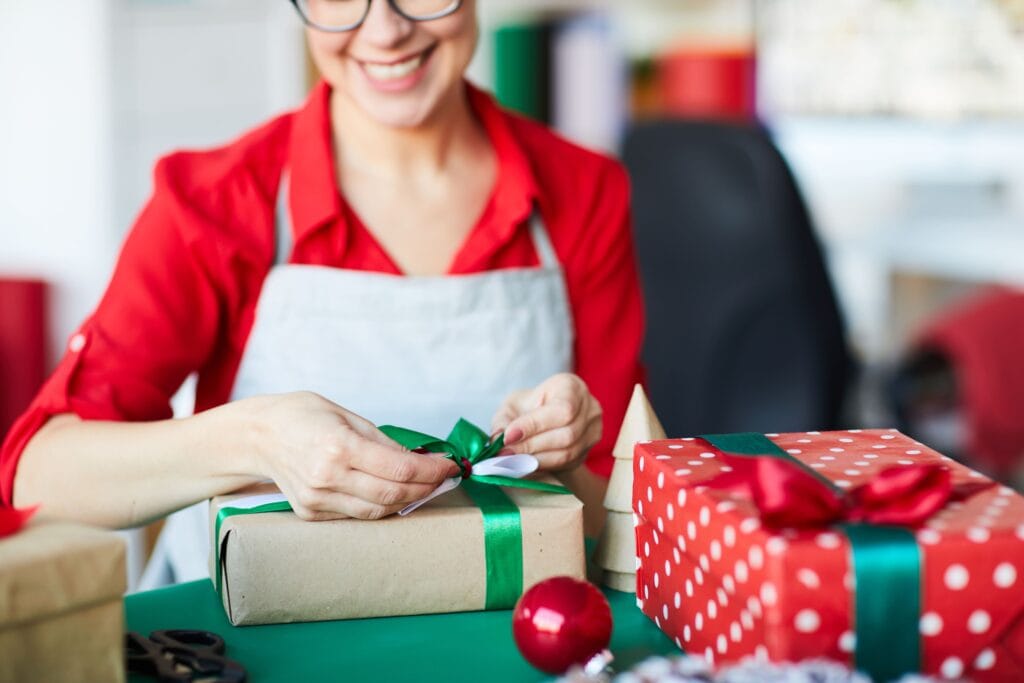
(124, 474)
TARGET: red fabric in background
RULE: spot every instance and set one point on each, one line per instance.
(22, 345)
(983, 339)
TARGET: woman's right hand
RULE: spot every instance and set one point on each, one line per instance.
(330, 463)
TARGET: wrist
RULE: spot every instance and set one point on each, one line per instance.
(235, 432)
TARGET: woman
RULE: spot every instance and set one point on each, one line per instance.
(397, 250)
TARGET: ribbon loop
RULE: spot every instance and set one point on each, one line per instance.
(903, 496)
(790, 494)
(477, 457)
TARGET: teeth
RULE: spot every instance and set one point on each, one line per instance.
(388, 72)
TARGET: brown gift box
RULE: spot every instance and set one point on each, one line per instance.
(278, 568)
(61, 616)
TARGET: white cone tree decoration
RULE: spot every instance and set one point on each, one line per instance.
(616, 549)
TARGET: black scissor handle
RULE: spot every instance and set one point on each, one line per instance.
(143, 656)
(200, 641)
(181, 656)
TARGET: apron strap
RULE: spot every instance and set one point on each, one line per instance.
(542, 242)
(282, 223)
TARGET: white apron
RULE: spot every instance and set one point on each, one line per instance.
(413, 351)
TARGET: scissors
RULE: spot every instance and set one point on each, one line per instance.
(181, 656)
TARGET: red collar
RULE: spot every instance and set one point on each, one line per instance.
(314, 198)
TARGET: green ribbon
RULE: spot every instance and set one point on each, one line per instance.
(887, 567)
(503, 544)
(223, 514)
(758, 445)
(887, 570)
(467, 445)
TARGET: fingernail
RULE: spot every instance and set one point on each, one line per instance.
(513, 435)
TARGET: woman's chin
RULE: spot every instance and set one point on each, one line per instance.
(407, 111)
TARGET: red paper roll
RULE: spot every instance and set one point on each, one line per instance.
(23, 328)
(715, 83)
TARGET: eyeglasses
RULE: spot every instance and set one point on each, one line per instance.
(337, 16)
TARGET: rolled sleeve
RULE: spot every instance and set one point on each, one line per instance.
(156, 323)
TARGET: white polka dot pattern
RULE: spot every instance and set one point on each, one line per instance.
(979, 621)
(931, 624)
(956, 577)
(952, 668)
(1005, 575)
(985, 660)
(807, 621)
(715, 580)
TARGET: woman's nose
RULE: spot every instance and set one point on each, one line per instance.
(384, 27)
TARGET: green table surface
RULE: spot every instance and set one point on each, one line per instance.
(463, 646)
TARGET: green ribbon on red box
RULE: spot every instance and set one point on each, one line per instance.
(876, 517)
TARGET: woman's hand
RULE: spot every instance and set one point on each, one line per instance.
(331, 463)
(557, 421)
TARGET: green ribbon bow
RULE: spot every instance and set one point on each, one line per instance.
(468, 445)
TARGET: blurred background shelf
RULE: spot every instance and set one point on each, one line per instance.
(867, 100)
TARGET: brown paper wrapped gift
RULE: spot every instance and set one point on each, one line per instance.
(61, 616)
(278, 568)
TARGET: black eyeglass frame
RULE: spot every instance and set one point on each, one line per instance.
(452, 9)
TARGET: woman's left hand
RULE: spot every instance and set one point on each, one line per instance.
(557, 421)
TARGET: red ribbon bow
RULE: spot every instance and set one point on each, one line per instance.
(788, 495)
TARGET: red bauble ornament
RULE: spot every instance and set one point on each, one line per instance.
(561, 621)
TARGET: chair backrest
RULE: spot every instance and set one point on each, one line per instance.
(743, 331)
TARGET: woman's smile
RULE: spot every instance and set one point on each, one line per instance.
(397, 74)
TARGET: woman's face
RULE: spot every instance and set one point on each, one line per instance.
(398, 72)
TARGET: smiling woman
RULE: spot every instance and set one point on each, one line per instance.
(398, 250)
(405, 62)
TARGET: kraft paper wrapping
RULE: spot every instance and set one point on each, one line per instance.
(61, 616)
(278, 568)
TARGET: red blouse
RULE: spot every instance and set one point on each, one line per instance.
(183, 294)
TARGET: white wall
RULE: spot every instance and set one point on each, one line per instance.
(859, 178)
(55, 150)
(92, 94)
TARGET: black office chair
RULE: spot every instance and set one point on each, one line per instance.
(743, 331)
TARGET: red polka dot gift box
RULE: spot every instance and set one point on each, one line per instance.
(863, 546)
